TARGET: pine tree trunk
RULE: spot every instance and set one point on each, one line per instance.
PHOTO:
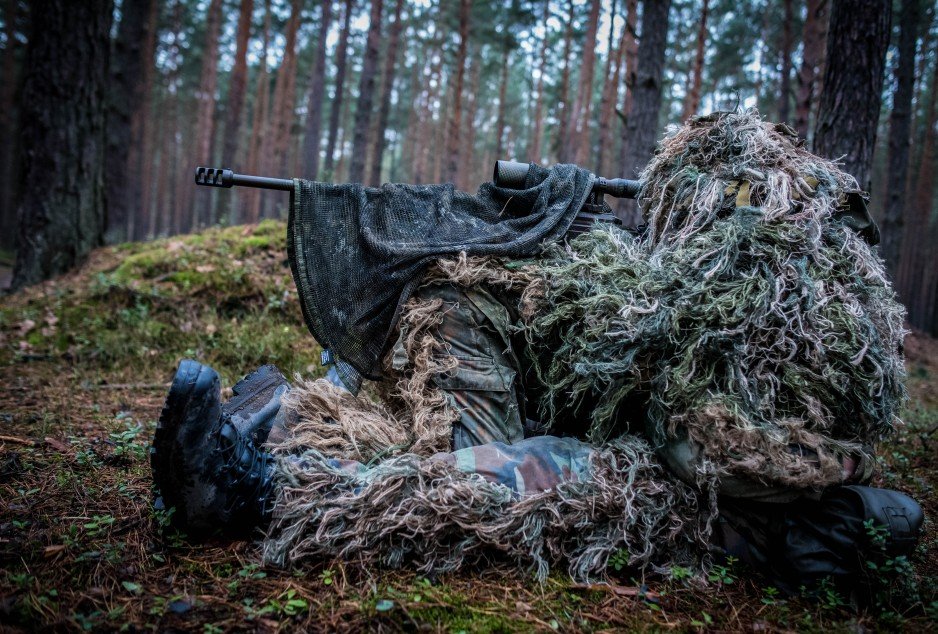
(916, 267)
(853, 84)
(285, 95)
(62, 212)
(610, 96)
(534, 153)
(502, 98)
(141, 156)
(251, 198)
(125, 98)
(814, 39)
(563, 97)
(413, 105)
(238, 89)
(384, 113)
(475, 76)
(900, 128)
(335, 112)
(784, 90)
(366, 96)
(205, 120)
(455, 123)
(631, 61)
(317, 89)
(8, 148)
(580, 119)
(641, 130)
(692, 100)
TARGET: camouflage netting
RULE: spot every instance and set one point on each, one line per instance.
(754, 324)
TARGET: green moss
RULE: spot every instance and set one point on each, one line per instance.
(224, 297)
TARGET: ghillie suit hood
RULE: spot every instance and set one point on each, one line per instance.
(752, 322)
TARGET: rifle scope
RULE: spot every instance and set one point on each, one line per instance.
(511, 175)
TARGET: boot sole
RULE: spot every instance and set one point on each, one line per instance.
(191, 378)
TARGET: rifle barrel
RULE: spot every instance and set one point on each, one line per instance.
(220, 177)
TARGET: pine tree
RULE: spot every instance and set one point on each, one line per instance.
(452, 143)
(341, 61)
(900, 127)
(812, 57)
(125, 98)
(237, 89)
(205, 119)
(317, 89)
(641, 130)
(692, 99)
(384, 112)
(62, 212)
(366, 90)
(853, 84)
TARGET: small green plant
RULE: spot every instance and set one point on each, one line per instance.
(326, 576)
(723, 575)
(125, 441)
(619, 560)
(705, 620)
(98, 525)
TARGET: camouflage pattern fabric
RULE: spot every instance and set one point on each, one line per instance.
(485, 386)
(531, 466)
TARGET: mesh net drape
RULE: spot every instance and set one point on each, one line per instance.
(357, 253)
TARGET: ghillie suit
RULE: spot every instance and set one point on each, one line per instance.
(748, 335)
(761, 333)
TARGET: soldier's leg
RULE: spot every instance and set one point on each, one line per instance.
(484, 386)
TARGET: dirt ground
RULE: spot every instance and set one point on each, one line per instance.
(81, 547)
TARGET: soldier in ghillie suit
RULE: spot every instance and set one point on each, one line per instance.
(712, 385)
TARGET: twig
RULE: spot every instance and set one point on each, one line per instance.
(19, 441)
(128, 386)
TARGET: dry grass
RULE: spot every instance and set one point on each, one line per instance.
(82, 548)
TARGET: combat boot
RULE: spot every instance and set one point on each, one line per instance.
(254, 407)
(213, 475)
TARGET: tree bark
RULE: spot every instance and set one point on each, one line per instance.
(534, 153)
(8, 149)
(142, 158)
(814, 38)
(62, 213)
(384, 112)
(312, 139)
(502, 98)
(455, 123)
(238, 89)
(784, 91)
(366, 96)
(563, 97)
(610, 96)
(579, 125)
(900, 128)
(692, 100)
(251, 198)
(853, 84)
(335, 112)
(125, 98)
(285, 94)
(641, 130)
(917, 269)
(205, 99)
(629, 76)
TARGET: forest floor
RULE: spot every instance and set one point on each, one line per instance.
(85, 361)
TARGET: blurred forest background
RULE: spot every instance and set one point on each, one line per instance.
(106, 106)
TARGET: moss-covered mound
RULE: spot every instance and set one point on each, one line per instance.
(225, 297)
